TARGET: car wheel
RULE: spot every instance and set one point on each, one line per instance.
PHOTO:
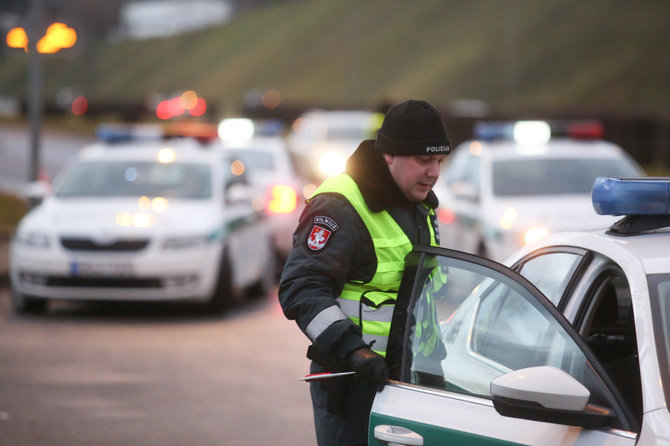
(27, 304)
(222, 295)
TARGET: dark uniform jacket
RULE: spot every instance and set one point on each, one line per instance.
(313, 278)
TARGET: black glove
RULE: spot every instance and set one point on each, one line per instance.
(370, 368)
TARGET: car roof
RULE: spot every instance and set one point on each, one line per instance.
(336, 115)
(555, 148)
(185, 149)
(262, 143)
(650, 248)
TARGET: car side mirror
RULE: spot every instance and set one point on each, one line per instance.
(547, 394)
(35, 192)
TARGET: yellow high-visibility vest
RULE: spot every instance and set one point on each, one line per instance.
(370, 305)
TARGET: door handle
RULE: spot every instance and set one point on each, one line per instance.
(397, 436)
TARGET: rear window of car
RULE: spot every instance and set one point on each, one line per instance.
(255, 159)
(547, 176)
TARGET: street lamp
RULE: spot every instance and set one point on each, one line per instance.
(58, 36)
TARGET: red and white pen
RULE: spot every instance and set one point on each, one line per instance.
(324, 375)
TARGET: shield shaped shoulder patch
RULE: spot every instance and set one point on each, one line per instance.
(318, 238)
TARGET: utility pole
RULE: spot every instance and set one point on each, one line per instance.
(35, 76)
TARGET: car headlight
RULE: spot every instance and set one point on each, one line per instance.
(38, 240)
(332, 163)
(534, 234)
(508, 218)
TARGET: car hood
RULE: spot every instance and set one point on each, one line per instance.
(560, 213)
(119, 217)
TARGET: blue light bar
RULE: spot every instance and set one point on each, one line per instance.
(113, 133)
(491, 131)
(535, 131)
(631, 196)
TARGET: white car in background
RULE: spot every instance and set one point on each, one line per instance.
(320, 141)
(264, 159)
(568, 346)
(517, 182)
(141, 220)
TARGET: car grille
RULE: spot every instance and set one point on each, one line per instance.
(83, 244)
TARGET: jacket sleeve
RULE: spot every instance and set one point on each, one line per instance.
(316, 270)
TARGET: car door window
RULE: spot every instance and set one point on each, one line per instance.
(471, 320)
(550, 272)
(659, 288)
(606, 322)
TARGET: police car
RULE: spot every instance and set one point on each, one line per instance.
(568, 346)
(255, 148)
(320, 141)
(140, 218)
(518, 181)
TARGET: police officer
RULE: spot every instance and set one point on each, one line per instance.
(341, 278)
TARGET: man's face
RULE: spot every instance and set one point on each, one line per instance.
(415, 175)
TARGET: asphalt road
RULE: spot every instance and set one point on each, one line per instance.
(103, 374)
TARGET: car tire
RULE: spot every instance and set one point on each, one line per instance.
(24, 304)
(223, 291)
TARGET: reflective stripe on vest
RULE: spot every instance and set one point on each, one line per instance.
(370, 305)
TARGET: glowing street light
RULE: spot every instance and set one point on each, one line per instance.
(58, 36)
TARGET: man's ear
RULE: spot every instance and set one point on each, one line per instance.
(389, 158)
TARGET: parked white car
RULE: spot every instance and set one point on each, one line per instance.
(499, 192)
(142, 220)
(320, 141)
(279, 191)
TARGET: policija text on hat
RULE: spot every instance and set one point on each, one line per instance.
(341, 278)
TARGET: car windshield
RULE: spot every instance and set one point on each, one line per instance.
(547, 176)
(659, 291)
(255, 159)
(347, 132)
(136, 179)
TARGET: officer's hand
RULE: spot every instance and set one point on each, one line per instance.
(370, 368)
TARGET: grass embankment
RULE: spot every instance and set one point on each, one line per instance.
(11, 211)
(563, 55)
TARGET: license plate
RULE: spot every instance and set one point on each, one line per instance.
(101, 269)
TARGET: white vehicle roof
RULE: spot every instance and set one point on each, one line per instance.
(648, 249)
(146, 149)
(556, 148)
(264, 143)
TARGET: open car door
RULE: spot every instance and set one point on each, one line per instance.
(479, 356)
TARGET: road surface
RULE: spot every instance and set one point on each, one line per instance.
(152, 375)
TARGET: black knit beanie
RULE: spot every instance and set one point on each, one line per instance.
(413, 128)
